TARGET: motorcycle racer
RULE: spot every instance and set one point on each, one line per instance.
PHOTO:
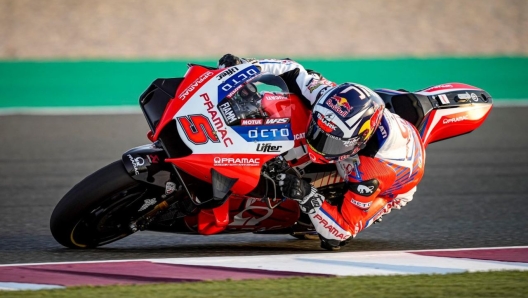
(379, 155)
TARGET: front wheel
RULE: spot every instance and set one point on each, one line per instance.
(99, 209)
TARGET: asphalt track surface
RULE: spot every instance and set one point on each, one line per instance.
(473, 194)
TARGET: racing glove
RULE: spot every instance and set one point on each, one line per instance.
(229, 60)
(301, 191)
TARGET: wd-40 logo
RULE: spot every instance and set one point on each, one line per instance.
(235, 80)
(268, 147)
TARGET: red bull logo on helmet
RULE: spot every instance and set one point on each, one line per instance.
(339, 105)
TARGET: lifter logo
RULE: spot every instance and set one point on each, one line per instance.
(267, 147)
(226, 73)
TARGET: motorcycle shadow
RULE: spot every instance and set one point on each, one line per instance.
(207, 248)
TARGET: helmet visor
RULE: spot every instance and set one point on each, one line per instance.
(329, 145)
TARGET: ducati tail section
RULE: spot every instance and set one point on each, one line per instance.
(440, 112)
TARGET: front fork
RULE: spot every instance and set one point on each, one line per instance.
(147, 164)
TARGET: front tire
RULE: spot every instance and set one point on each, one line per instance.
(94, 212)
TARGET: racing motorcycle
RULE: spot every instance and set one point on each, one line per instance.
(219, 138)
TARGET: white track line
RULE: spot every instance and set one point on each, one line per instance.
(334, 264)
(269, 256)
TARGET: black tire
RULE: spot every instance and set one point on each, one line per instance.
(76, 220)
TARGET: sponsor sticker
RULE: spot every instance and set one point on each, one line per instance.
(443, 99)
(264, 133)
(218, 123)
(228, 72)
(251, 122)
(437, 87)
(153, 158)
(147, 203)
(235, 81)
(361, 204)
(363, 189)
(228, 112)
(464, 96)
(456, 119)
(268, 147)
(170, 187)
(271, 133)
(474, 97)
(383, 131)
(337, 232)
(339, 105)
(233, 161)
(269, 121)
(299, 136)
(189, 91)
(325, 124)
(275, 97)
(136, 163)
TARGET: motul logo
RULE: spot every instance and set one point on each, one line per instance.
(276, 120)
(251, 122)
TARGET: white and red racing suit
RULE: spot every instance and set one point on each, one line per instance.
(382, 176)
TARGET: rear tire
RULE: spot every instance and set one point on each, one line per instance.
(83, 217)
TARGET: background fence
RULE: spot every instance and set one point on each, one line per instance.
(74, 52)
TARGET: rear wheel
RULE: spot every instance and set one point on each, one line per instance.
(99, 209)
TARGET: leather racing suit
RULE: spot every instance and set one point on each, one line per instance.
(380, 177)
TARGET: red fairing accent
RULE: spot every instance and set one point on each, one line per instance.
(448, 123)
(276, 105)
(449, 86)
(196, 77)
(247, 214)
(230, 165)
(213, 221)
(300, 120)
(150, 136)
(290, 106)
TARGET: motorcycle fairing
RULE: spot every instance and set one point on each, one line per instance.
(459, 109)
(233, 151)
(442, 111)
